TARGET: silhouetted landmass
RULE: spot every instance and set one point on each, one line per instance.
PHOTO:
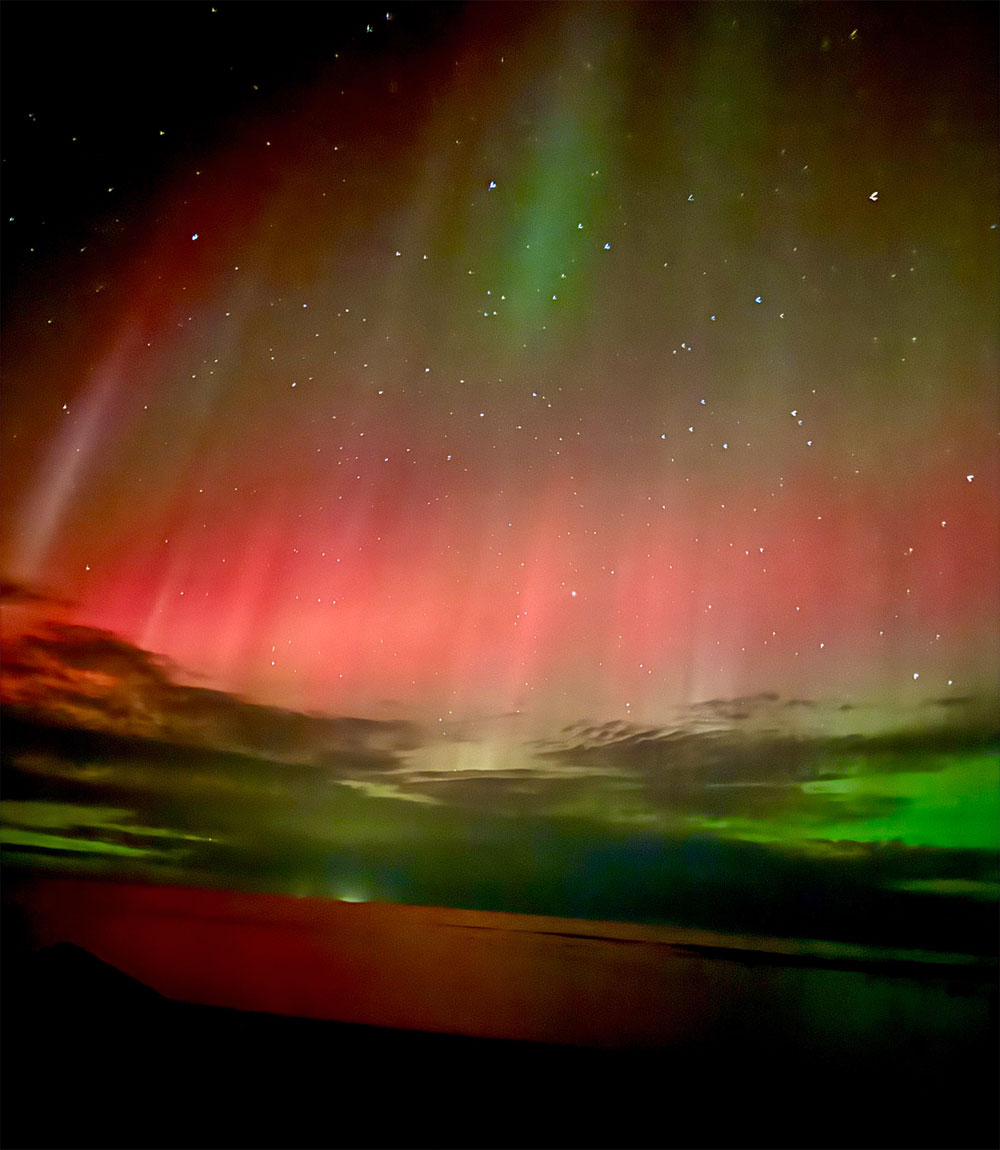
(94, 1058)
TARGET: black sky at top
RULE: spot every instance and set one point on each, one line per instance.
(115, 75)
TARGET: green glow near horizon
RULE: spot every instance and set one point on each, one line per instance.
(955, 807)
(14, 836)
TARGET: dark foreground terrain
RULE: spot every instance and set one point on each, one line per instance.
(93, 1057)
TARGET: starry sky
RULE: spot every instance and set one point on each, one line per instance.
(488, 369)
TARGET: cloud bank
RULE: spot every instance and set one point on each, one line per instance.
(730, 815)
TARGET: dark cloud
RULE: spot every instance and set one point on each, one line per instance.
(85, 677)
(713, 756)
(588, 733)
(14, 592)
(740, 703)
(774, 802)
(689, 757)
(489, 792)
(70, 647)
(94, 713)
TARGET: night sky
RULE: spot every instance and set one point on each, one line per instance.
(560, 394)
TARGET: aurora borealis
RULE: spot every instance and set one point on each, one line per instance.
(525, 426)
